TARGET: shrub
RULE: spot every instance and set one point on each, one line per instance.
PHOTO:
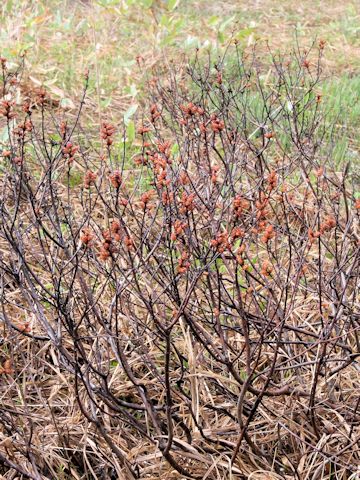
(195, 295)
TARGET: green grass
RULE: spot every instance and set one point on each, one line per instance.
(342, 104)
(64, 38)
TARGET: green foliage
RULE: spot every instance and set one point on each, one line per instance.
(129, 113)
(130, 131)
(74, 179)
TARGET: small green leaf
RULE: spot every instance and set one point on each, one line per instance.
(106, 102)
(191, 42)
(67, 103)
(213, 21)
(75, 178)
(172, 4)
(244, 33)
(221, 37)
(9, 6)
(129, 113)
(146, 3)
(165, 20)
(64, 227)
(175, 149)
(131, 90)
(130, 131)
(108, 3)
(55, 137)
(226, 23)
(4, 135)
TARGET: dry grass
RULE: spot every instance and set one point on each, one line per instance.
(65, 38)
(39, 394)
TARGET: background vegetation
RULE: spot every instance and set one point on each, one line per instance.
(64, 38)
(179, 239)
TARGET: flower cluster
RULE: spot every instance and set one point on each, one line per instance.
(217, 125)
(87, 236)
(328, 224)
(107, 246)
(116, 179)
(69, 152)
(236, 233)
(116, 230)
(191, 109)
(187, 202)
(266, 268)
(240, 206)
(6, 368)
(154, 112)
(268, 234)
(221, 242)
(183, 263)
(214, 173)
(261, 207)
(107, 131)
(142, 130)
(146, 198)
(240, 255)
(22, 128)
(178, 230)
(272, 181)
(89, 178)
(6, 109)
